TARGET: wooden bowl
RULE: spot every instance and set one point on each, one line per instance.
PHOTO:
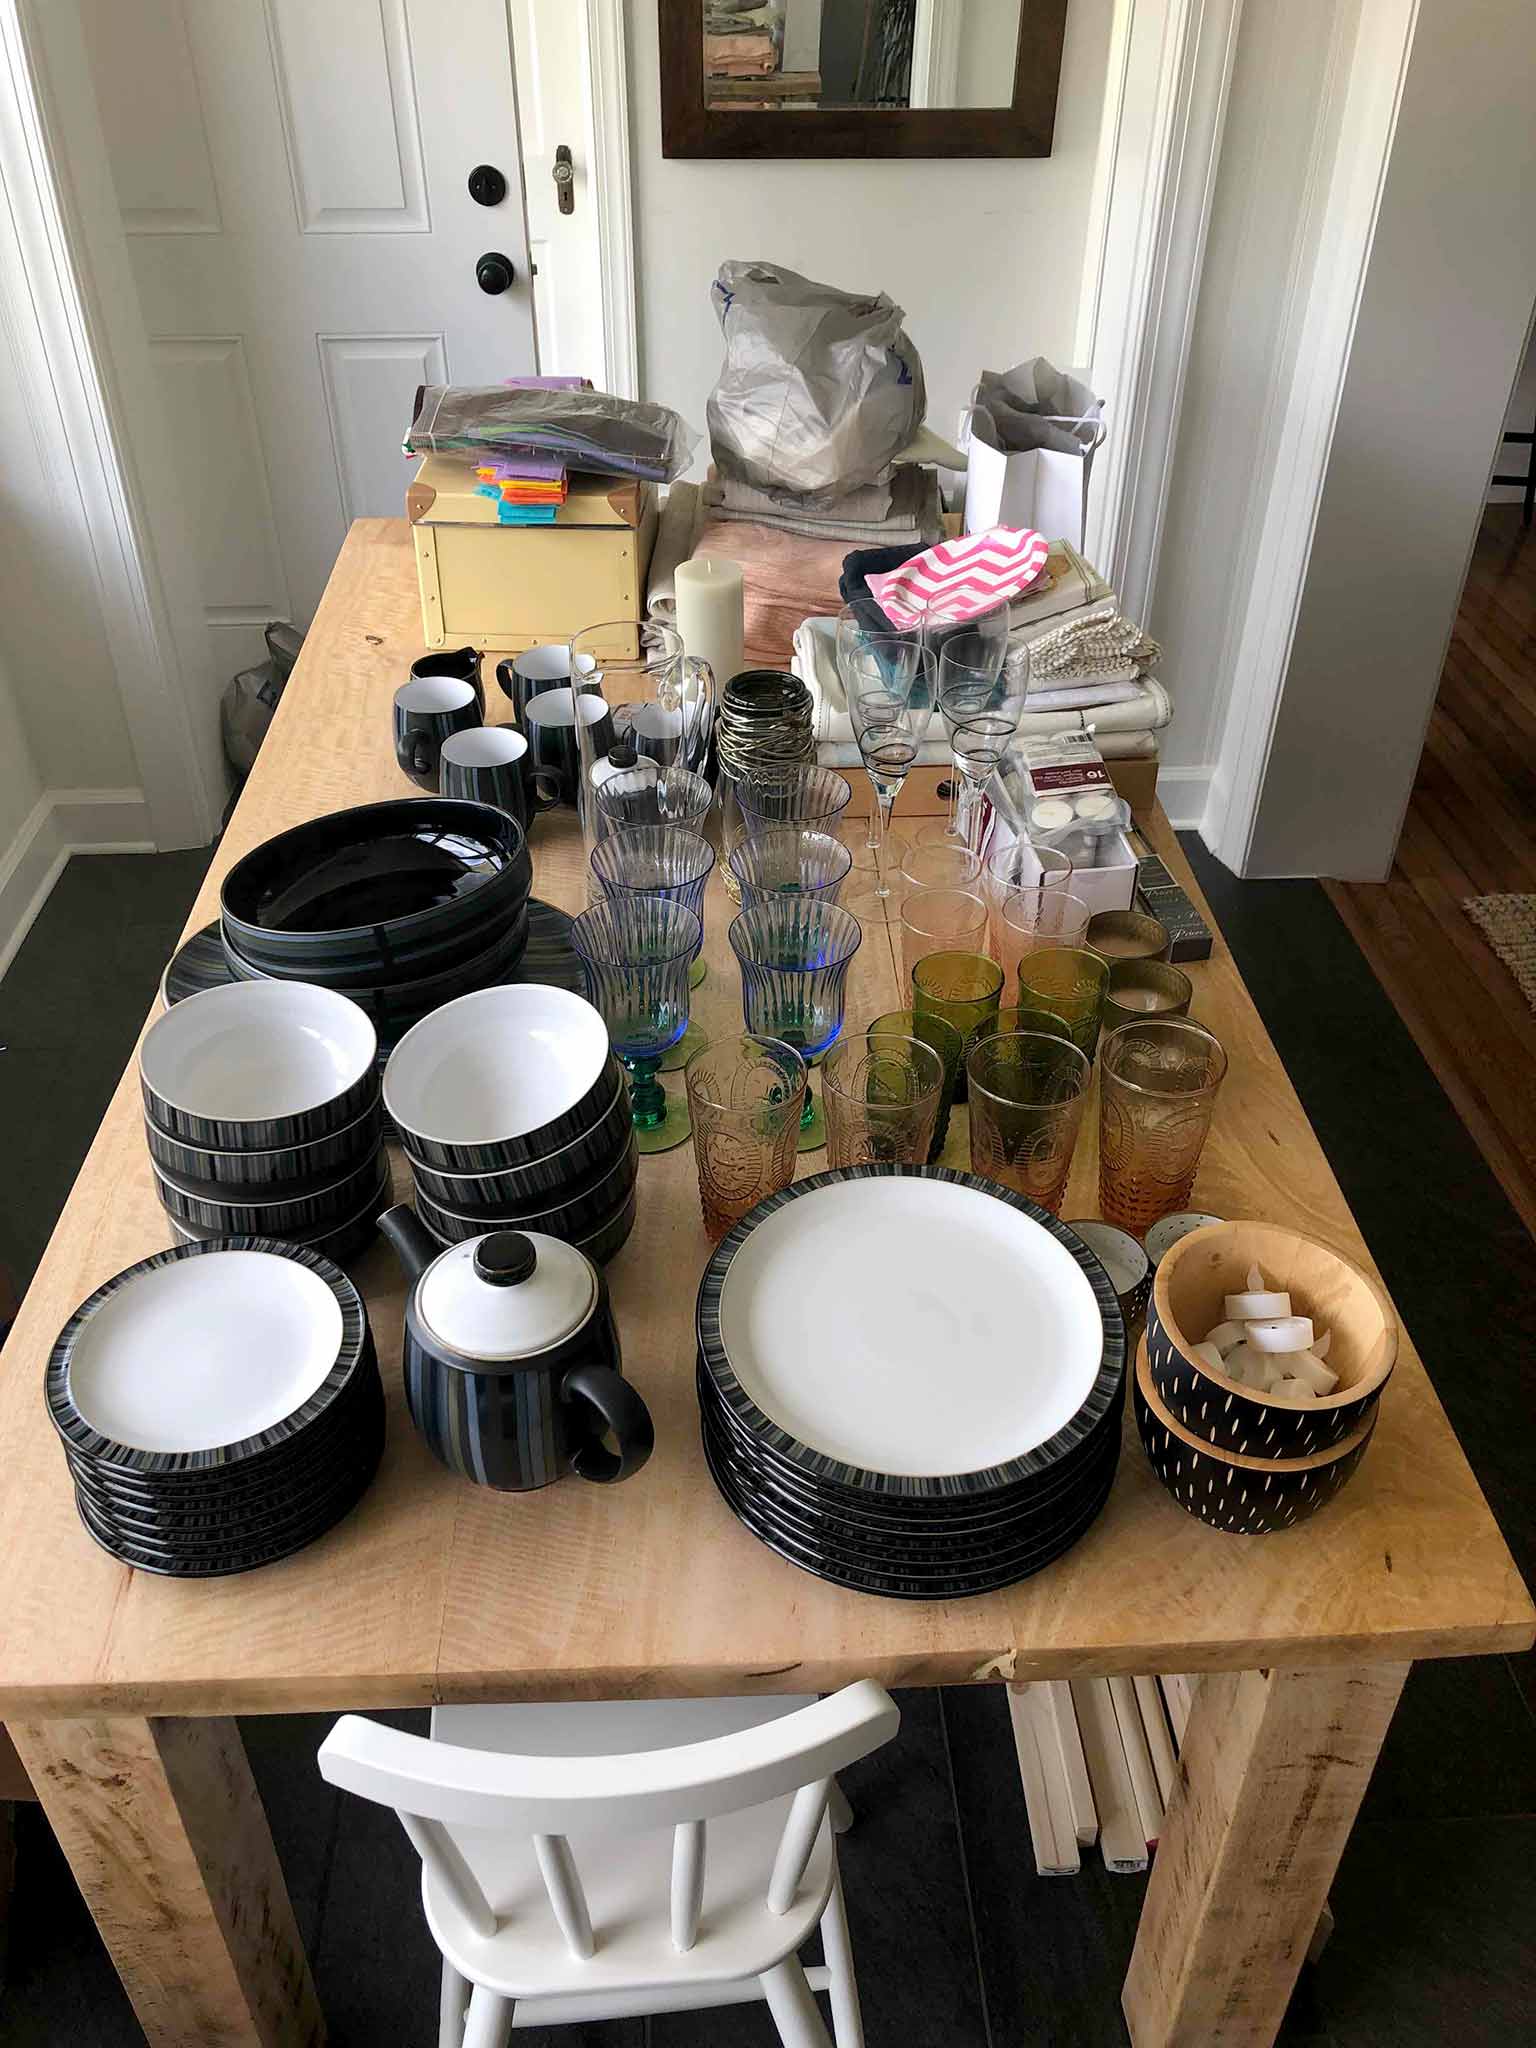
(1193, 1278)
(1244, 1496)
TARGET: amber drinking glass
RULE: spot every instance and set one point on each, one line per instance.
(947, 1043)
(1019, 865)
(745, 1095)
(1144, 988)
(1127, 935)
(1068, 981)
(881, 1095)
(1158, 1081)
(1027, 1092)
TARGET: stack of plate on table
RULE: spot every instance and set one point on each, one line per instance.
(401, 906)
(514, 1115)
(219, 1406)
(261, 1113)
(910, 1382)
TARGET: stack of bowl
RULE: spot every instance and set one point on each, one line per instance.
(261, 1112)
(513, 1113)
(401, 906)
(1242, 1460)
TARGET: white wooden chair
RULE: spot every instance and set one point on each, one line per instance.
(600, 1861)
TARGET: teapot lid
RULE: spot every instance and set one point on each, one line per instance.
(514, 1294)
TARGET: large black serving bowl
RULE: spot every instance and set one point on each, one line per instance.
(368, 889)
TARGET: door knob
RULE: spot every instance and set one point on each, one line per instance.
(564, 175)
(494, 272)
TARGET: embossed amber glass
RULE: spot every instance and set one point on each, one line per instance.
(1027, 1091)
(744, 1096)
(1158, 1085)
(1068, 981)
(882, 1096)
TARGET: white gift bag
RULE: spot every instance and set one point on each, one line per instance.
(1030, 437)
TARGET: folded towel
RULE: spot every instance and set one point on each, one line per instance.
(913, 517)
(675, 533)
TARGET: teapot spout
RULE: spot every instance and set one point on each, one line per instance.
(413, 1243)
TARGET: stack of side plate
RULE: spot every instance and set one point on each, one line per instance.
(513, 1112)
(910, 1383)
(219, 1405)
(400, 906)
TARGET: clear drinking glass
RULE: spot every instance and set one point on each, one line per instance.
(794, 953)
(1158, 1083)
(941, 921)
(941, 865)
(1027, 1092)
(888, 683)
(1021, 865)
(795, 860)
(635, 952)
(643, 795)
(1038, 921)
(882, 1097)
(745, 1096)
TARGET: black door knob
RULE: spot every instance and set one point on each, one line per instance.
(494, 273)
(487, 185)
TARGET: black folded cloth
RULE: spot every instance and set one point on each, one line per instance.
(853, 584)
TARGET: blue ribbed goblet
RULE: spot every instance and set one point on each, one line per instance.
(795, 860)
(671, 861)
(794, 953)
(804, 795)
(635, 951)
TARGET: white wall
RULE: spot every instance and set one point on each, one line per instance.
(1443, 323)
(1260, 253)
(985, 255)
(20, 784)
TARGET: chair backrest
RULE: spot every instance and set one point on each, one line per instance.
(435, 1787)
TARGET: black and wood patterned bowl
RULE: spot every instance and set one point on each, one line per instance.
(584, 1209)
(291, 1170)
(367, 886)
(259, 1066)
(1188, 1295)
(1244, 1496)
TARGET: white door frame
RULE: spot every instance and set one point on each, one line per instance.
(91, 390)
(612, 174)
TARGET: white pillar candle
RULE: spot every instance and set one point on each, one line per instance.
(711, 614)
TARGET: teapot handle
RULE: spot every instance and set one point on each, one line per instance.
(620, 1409)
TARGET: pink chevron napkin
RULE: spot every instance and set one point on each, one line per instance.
(967, 577)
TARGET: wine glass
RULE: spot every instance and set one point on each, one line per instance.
(794, 860)
(889, 686)
(635, 952)
(795, 953)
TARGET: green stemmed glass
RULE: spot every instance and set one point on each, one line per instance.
(635, 952)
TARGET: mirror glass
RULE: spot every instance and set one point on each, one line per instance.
(769, 56)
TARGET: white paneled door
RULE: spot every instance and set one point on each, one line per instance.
(554, 104)
(293, 177)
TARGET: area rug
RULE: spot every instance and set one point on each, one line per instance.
(1508, 923)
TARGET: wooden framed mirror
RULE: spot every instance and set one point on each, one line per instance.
(859, 78)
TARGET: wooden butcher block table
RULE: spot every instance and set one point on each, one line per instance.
(121, 1689)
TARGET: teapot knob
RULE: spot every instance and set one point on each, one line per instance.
(505, 1258)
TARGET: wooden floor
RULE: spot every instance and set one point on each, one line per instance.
(1470, 831)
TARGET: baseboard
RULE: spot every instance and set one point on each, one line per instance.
(62, 822)
(1184, 794)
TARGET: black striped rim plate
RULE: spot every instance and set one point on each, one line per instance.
(354, 1348)
(1106, 1390)
(897, 1584)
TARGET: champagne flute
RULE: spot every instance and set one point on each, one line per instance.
(889, 685)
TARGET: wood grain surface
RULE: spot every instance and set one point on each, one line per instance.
(435, 1589)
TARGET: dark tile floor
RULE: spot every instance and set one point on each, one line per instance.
(959, 1945)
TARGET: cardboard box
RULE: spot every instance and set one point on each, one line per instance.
(507, 588)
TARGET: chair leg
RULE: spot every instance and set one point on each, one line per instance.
(793, 2007)
(840, 1810)
(452, 2006)
(490, 2020)
(847, 2021)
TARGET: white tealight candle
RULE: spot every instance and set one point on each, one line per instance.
(711, 614)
